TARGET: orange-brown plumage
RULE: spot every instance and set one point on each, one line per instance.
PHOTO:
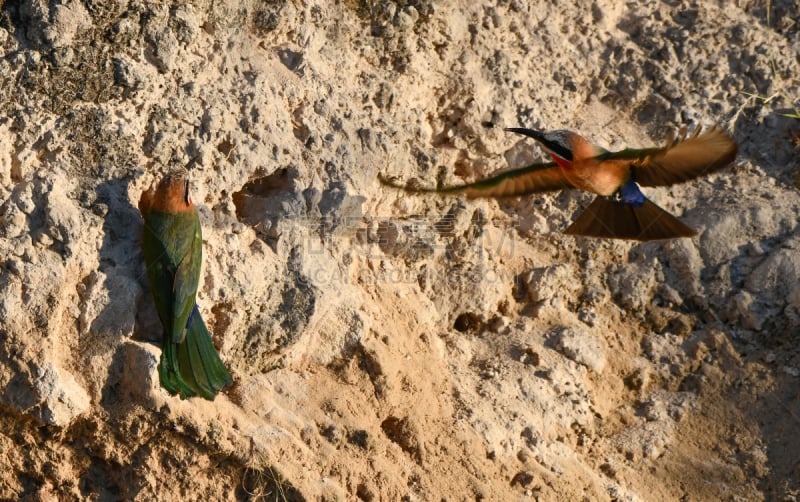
(621, 210)
(171, 195)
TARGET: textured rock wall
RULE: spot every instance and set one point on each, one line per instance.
(387, 346)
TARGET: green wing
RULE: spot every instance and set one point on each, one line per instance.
(187, 277)
(534, 178)
(172, 248)
(172, 252)
(681, 159)
(159, 265)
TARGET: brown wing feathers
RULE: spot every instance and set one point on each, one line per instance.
(683, 158)
(531, 179)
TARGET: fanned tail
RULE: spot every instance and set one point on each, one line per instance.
(193, 367)
(616, 220)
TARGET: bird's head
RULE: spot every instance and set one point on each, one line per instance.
(171, 195)
(175, 185)
(559, 144)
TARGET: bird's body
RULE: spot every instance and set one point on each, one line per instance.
(621, 210)
(172, 247)
(588, 175)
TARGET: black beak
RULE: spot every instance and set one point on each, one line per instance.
(531, 133)
(186, 197)
(554, 146)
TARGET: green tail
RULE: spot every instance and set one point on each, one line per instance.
(193, 367)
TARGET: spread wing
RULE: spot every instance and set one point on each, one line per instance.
(681, 159)
(531, 179)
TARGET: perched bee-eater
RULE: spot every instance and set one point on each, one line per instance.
(171, 244)
(621, 210)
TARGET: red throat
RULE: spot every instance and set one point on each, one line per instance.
(562, 162)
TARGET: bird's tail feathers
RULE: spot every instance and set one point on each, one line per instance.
(611, 219)
(193, 367)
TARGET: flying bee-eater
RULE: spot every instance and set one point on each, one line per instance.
(172, 246)
(620, 210)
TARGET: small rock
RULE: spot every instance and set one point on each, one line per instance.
(63, 222)
(24, 198)
(404, 20)
(669, 296)
(140, 375)
(776, 278)
(554, 282)
(13, 221)
(63, 398)
(68, 19)
(106, 304)
(654, 449)
(791, 370)
(53, 26)
(125, 73)
(49, 394)
(582, 347)
(633, 285)
(164, 50)
(686, 263)
(743, 309)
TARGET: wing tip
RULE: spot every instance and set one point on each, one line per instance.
(413, 185)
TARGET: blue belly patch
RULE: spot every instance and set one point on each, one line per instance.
(629, 193)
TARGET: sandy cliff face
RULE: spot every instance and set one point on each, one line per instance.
(387, 346)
